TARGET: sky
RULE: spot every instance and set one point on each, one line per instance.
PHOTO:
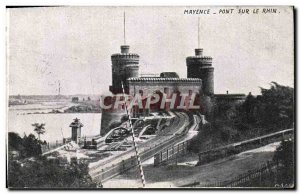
(73, 45)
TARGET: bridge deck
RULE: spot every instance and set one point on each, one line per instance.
(147, 149)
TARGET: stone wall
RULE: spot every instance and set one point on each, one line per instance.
(124, 65)
(172, 85)
(108, 117)
(199, 66)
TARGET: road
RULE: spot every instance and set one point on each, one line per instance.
(185, 172)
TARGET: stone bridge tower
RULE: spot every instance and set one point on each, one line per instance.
(200, 66)
(124, 65)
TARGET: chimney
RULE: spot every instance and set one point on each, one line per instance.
(198, 52)
(125, 49)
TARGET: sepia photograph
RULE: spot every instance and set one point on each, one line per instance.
(150, 97)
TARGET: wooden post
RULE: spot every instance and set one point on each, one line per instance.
(157, 159)
(123, 166)
(167, 154)
(199, 155)
(260, 179)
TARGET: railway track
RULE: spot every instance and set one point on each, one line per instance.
(124, 161)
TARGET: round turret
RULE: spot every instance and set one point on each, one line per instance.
(124, 65)
(200, 66)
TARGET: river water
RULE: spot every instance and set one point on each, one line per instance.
(57, 125)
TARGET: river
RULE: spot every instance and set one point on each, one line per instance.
(57, 125)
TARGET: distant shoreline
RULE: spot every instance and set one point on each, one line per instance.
(61, 113)
(48, 113)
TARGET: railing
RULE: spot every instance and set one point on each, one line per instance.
(171, 153)
(110, 160)
(116, 169)
(51, 145)
(225, 151)
(267, 168)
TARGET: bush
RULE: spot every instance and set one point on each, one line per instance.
(284, 155)
(28, 146)
(43, 173)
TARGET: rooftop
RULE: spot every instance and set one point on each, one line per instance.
(169, 75)
(230, 96)
(164, 79)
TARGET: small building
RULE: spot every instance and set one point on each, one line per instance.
(76, 130)
(230, 98)
(75, 99)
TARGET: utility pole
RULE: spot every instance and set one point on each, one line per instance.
(124, 28)
(59, 87)
(198, 32)
(134, 143)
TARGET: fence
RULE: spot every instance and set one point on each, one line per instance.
(235, 148)
(267, 168)
(115, 169)
(171, 153)
(52, 145)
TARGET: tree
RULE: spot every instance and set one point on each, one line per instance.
(27, 146)
(14, 141)
(284, 155)
(39, 129)
(32, 146)
(45, 173)
(272, 110)
(40, 171)
(276, 106)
